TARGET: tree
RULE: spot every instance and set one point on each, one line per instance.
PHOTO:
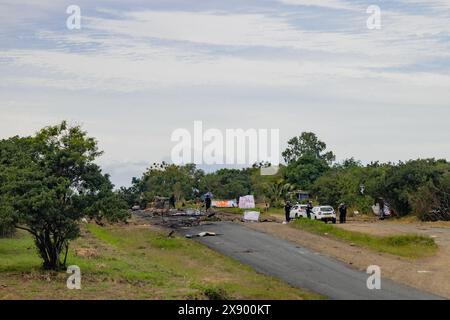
(402, 181)
(418, 186)
(304, 171)
(163, 180)
(48, 182)
(133, 195)
(306, 160)
(431, 202)
(278, 191)
(343, 184)
(307, 145)
(228, 183)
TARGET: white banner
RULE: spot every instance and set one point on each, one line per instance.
(251, 216)
(247, 202)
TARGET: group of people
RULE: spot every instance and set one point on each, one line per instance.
(309, 207)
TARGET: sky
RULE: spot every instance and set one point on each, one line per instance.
(138, 70)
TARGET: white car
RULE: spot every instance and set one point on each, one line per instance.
(324, 213)
(298, 211)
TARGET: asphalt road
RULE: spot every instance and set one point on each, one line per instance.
(298, 266)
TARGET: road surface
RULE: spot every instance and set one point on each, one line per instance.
(298, 266)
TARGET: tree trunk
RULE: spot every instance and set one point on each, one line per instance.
(50, 250)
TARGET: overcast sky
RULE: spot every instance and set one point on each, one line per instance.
(138, 70)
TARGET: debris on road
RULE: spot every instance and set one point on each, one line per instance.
(202, 234)
(188, 212)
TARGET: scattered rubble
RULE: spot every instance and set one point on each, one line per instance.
(202, 234)
(176, 219)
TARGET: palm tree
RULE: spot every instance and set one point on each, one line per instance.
(277, 191)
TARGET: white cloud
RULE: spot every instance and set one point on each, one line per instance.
(133, 53)
(332, 4)
(270, 67)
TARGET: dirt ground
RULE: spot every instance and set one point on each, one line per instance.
(431, 274)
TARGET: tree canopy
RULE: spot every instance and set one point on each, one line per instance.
(306, 159)
(307, 145)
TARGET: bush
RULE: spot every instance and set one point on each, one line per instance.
(342, 184)
(432, 201)
(214, 293)
(406, 181)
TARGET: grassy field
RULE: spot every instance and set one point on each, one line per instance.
(409, 245)
(135, 262)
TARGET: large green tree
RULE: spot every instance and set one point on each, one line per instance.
(307, 144)
(307, 160)
(48, 182)
(163, 179)
(402, 181)
(228, 183)
(304, 171)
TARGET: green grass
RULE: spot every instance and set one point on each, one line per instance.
(18, 254)
(276, 211)
(262, 210)
(407, 245)
(135, 262)
(233, 210)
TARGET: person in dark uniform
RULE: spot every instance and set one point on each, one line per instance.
(309, 208)
(208, 202)
(342, 213)
(172, 201)
(287, 210)
(382, 208)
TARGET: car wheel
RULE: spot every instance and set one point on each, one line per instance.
(334, 221)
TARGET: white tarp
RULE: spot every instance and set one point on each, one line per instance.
(251, 216)
(247, 202)
(376, 209)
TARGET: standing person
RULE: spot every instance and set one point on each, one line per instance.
(172, 201)
(287, 210)
(382, 208)
(208, 202)
(309, 208)
(342, 213)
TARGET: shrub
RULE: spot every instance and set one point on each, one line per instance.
(215, 293)
(432, 201)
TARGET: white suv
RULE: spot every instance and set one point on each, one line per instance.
(324, 213)
(298, 211)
